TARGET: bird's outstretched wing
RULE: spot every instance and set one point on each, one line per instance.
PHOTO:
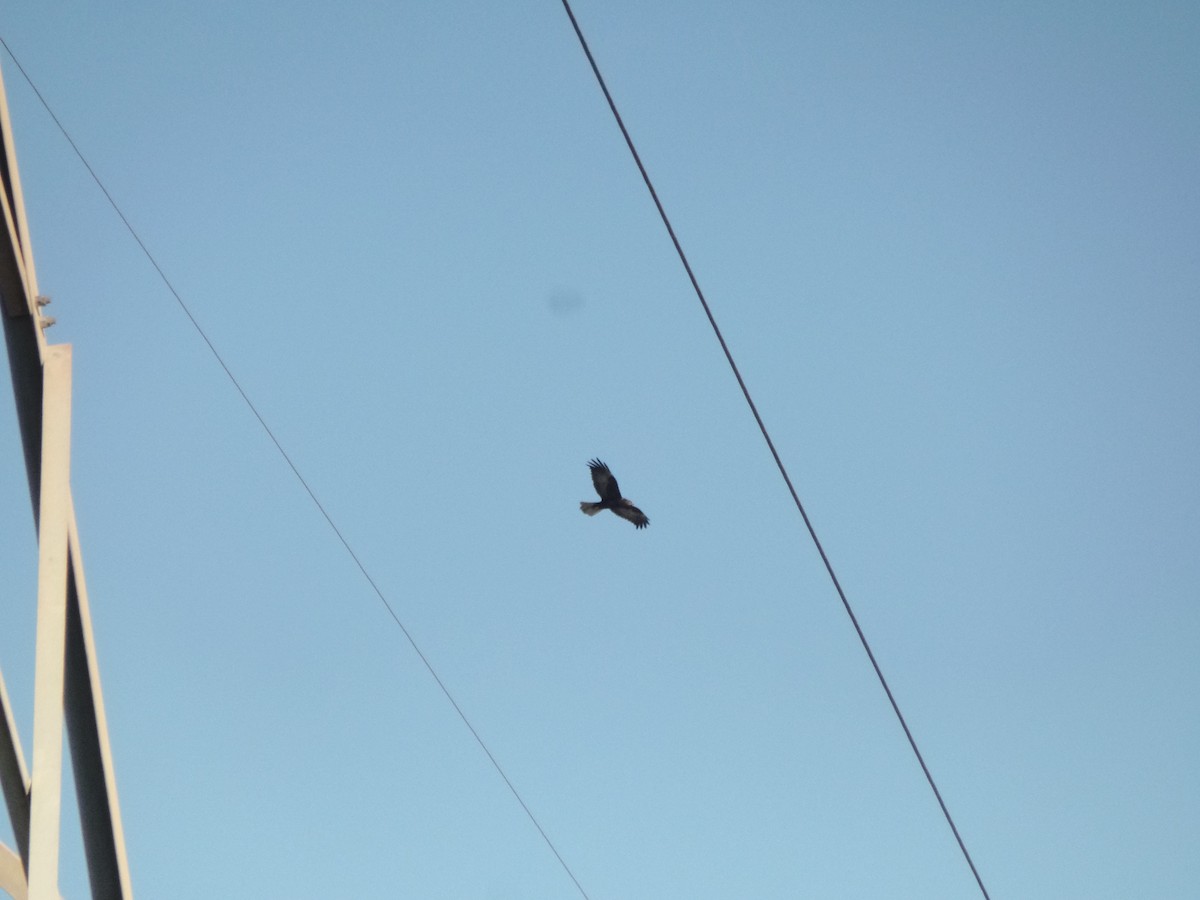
(603, 481)
(627, 510)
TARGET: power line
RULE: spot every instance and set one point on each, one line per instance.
(299, 476)
(771, 445)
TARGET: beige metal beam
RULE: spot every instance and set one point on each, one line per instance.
(54, 512)
(91, 757)
(12, 875)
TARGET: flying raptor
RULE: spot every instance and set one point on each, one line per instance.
(610, 497)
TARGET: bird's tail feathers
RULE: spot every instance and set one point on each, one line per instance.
(590, 508)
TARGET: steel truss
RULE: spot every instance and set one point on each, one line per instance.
(66, 677)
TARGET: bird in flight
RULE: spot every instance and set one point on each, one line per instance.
(610, 497)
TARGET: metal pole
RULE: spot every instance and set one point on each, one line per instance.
(54, 511)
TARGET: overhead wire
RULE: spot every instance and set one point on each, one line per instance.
(304, 483)
(762, 427)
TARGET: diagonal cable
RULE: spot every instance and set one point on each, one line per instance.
(299, 477)
(771, 446)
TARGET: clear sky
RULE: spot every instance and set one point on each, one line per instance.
(956, 252)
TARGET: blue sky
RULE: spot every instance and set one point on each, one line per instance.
(954, 251)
